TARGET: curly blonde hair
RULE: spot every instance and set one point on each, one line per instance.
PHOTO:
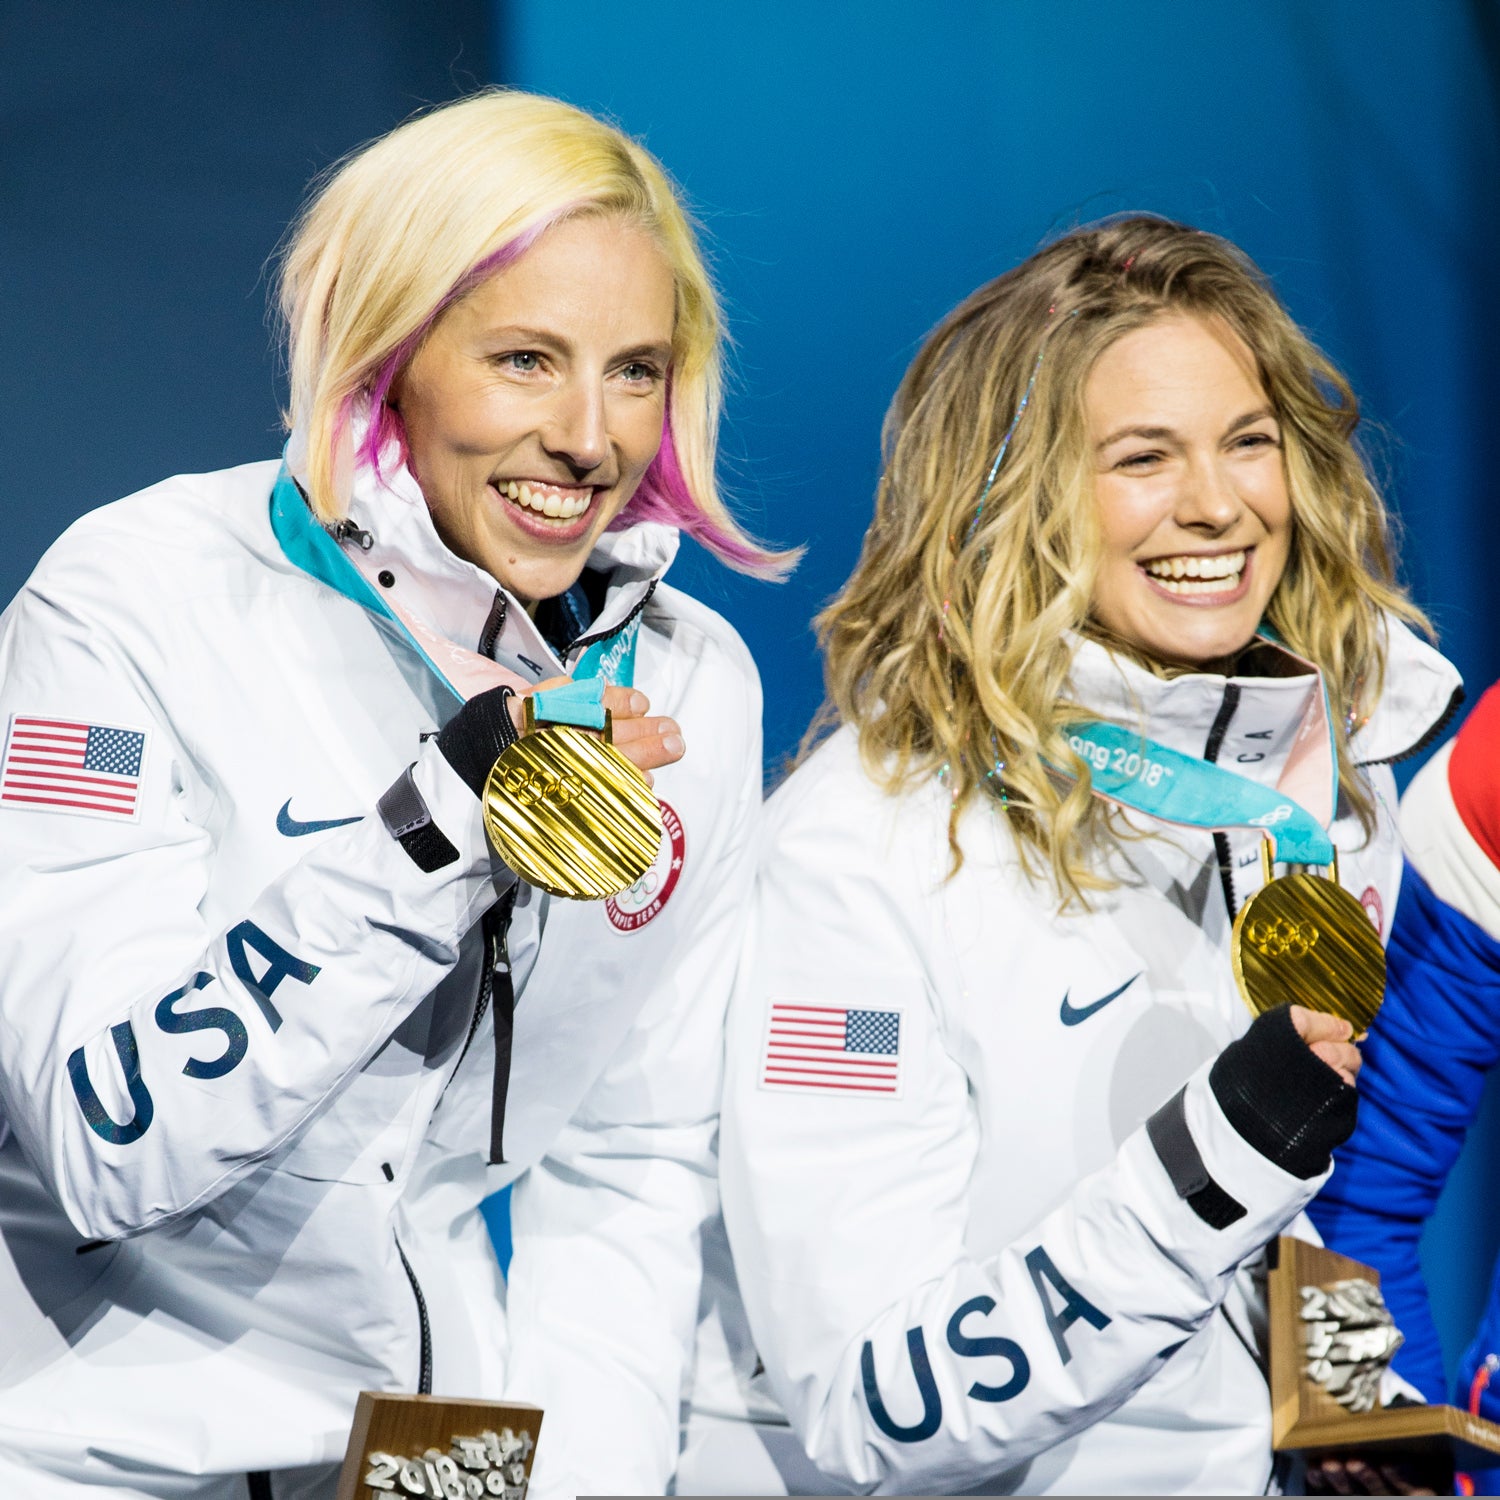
(948, 649)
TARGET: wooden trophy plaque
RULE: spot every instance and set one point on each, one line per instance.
(431, 1448)
(1305, 1418)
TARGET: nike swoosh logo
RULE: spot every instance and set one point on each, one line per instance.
(293, 828)
(1072, 1015)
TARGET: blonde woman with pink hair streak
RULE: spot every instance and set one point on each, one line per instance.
(275, 1016)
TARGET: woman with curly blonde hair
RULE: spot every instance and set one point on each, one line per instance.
(1001, 1142)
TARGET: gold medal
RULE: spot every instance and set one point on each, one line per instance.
(569, 814)
(1302, 938)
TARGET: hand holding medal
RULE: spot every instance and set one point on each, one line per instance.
(563, 806)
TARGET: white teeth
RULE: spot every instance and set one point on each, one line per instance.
(1199, 585)
(558, 505)
(1193, 574)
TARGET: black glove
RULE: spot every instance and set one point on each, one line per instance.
(474, 738)
(1281, 1097)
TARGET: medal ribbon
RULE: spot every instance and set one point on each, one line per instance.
(1139, 773)
(463, 673)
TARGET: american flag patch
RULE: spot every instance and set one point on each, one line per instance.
(817, 1048)
(61, 765)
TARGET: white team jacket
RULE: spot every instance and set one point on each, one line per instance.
(983, 1280)
(238, 1032)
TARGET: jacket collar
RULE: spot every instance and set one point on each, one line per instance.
(1248, 722)
(463, 602)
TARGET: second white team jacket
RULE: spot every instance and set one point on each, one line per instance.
(965, 1267)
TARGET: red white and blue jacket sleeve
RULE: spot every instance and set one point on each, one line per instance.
(1432, 1046)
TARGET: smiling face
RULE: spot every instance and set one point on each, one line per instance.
(535, 405)
(1193, 503)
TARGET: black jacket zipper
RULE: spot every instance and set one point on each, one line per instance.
(486, 988)
(604, 635)
(1443, 721)
(481, 1004)
(424, 1367)
(1222, 850)
(493, 925)
(493, 625)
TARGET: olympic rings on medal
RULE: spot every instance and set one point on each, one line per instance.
(1303, 939)
(528, 787)
(1281, 938)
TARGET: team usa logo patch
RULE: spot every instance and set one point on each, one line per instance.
(633, 908)
(66, 766)
(828, 1049)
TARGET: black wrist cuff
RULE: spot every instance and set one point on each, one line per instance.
(407, 820)
(1281, 1097)
(476, 736)
(1178, 1153)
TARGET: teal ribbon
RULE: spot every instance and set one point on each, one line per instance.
(580, 702)
(310, 547)
(1163, 783)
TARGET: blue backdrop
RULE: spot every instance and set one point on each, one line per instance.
(151, 154)
(857, 167)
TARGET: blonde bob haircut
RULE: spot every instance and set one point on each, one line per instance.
(405, 227)
(949, 648)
